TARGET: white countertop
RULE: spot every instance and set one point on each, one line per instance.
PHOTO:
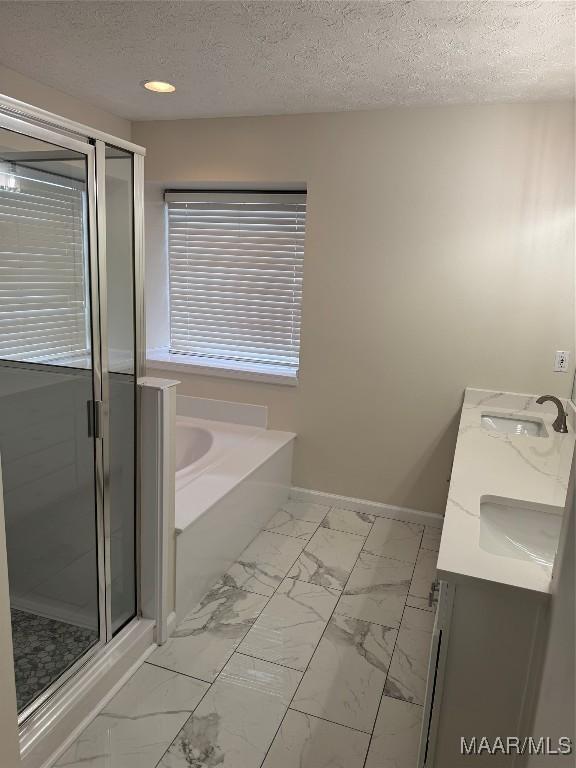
(520, 468)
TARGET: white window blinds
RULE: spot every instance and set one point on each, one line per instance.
(236, 264)
(43, 299)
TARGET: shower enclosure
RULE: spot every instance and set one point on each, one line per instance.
(70, 341)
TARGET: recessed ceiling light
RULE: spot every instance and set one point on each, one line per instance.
(158, 86)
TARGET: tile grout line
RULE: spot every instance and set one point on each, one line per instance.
(382, 695)
(287, 535)
(175, 672)
(289, 707)
(267, 661)
(269, 597)
(301, 519)
(387, 557)
(326, 719)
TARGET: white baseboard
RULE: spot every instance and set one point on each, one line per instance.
(376, 508)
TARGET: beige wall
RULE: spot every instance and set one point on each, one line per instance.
(25, 89)
(438, 255)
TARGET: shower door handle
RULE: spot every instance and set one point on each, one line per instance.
(94, 418)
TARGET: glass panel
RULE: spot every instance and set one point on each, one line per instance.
(46, 381)
(120, 282)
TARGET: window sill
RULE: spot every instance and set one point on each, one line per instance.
(165, 361)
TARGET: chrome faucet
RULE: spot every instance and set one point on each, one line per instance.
(559, 423)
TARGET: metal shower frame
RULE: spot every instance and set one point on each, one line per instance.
(37, 123)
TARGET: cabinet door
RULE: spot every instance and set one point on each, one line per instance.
(434, 680)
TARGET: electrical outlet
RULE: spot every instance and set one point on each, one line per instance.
(561, 361)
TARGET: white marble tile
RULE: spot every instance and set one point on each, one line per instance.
(289, 628)
(138, 724)
(304, 741)
(409, 666)
(431, 538)
(349, 521)
(306, 510)
(424, 573)
(205, 640)
(396, 736)
(418, 620)
(237, 719)
(393, 538)
(346, 676)
(419, 602)
(376, 590)
(265, 562)
(328, 558)
(286, 524)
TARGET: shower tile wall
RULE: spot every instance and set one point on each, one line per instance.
(50, 536)
(51, 555)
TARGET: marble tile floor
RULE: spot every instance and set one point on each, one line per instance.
(311, 652)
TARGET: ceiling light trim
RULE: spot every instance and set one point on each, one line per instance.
(158, 86)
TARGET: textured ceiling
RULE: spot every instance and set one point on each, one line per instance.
(286, 56)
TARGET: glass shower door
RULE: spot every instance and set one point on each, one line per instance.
(49, 424)
(120, 377)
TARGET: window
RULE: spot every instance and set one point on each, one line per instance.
(235, 279)
(43, 287)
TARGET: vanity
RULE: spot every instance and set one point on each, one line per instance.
(505, 523)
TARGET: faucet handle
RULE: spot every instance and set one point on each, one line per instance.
(559, 423)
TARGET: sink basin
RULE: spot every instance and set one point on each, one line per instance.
(513, 426)
(522, 533)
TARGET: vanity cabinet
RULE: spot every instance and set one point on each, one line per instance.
(484, 671)
(436, 665)
(504, 526)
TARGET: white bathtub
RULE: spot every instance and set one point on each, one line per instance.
(200, 444)
(230, 479)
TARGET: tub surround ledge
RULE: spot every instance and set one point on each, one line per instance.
(517, 470)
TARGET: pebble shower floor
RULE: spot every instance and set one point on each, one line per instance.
(43, 650)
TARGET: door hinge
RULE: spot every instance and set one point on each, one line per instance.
(95, 408)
